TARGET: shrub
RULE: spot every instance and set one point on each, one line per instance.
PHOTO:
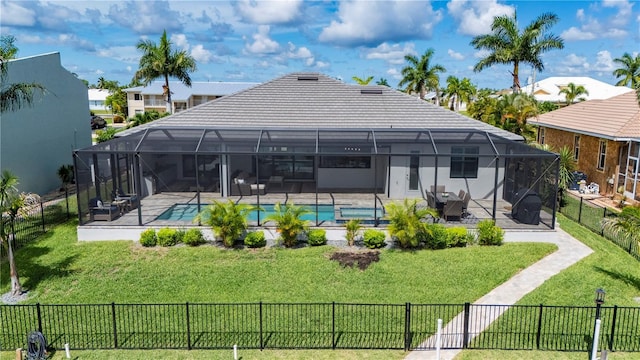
(289, 222)
(118, 119)
(105, 134)
(167, 237)
(148, 238)
(353, 228)
(193, 237)
(489, 233)
(374, 239)
(458, 237)
(227, 219)
(406, 222)
(435, 236)
(255, 239)
(317, 237)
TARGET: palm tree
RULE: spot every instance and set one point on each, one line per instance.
(420, 76)
(289, 222)
(507, 45)
(572, 92)
(382, 82)
(512, 112)
(161, 61)
(12, 203)
(406, 222)
(17, 95)
(625, 226)
(629, 70)
(458, 91)
(227, 219)
(362, 81)
(102, 83)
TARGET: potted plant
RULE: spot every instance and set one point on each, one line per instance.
(289, 222)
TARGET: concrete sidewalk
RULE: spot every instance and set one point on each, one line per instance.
(569, 252)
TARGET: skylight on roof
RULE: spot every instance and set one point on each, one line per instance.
(371, 91)
(308, 78)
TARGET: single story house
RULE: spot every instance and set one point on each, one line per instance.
(152, 97)
(36, 140)
(97, 98)
(549, 89)
(605, 138)
(310, 136)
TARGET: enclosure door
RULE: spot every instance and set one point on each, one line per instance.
(412, 183)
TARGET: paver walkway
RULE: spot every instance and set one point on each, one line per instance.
(569, 252)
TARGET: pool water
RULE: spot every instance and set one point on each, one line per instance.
(361, 213)
(187, 212)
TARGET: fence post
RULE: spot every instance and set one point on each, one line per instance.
(115, 329)
(580, 212)
(188, 326)
(465, 331)
(539, 327)
(333, 325)
(604, 216)
(42, 216)
(613, 327)
(39, 317)
(261, 339)
(407, 326)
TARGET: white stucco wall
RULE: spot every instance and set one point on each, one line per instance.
(35, 141)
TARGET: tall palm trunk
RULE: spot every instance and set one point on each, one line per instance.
(16, 288)
(168, 90)
(516, 78)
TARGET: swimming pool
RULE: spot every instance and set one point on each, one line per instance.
(187, 212)
(361, 213)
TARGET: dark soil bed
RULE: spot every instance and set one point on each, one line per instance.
(362, 259)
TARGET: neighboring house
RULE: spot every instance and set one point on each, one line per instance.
(97, 99)
(549, 89)
(307, 133)
(151, 97)
(36, 140)
(604, 136)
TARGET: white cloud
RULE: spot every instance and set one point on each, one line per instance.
(604, 62)
(475, 17)
(322, 64)
(99, 72)
(373, 22)
(180, 40)
(201, 55)
(127, 54)
(269, 12)
(573, 33)
(592, 28)
(575, 60)
(394, 73)
(480, 54)
(392, 54)
(455, 55)
(14, 14)
(146, 17)
(624, 11)
(580, 14)
(262, 43)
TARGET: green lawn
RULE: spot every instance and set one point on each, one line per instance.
(60, 270)
(547, 355)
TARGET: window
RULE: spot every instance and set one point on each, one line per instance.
(603, 154)
(541, 135)
(464, 162)
(137, 96)
(414, 167)
(576, 147)
(358, 162)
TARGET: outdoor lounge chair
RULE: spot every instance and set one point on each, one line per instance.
(438, 189)
(465, 204)
(431, 199)
(131, 199)
(100, 211)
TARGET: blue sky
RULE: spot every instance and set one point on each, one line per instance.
(259, 40)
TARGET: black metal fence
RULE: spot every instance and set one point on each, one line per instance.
(28, 227)
(319, 326)
(592, 216)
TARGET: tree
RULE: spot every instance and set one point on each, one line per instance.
(420, 76)
(573, 92)
(512, 111)
(458, 91)
(629, 70)
(227, 219)
(483, 106)
(117, 101)
(362, 81)
(161, 61)
(382, 82)
(289, 222)
(625, 226)
(17, 95)
(12, 203)
(507, 45)
(406, 222)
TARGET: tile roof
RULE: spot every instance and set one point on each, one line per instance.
(549, 88)
(320, 102)
(181, 92)
(617, 118)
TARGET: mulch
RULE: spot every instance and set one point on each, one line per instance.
(361, 259)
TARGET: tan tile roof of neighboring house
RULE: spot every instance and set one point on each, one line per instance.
(616, 118)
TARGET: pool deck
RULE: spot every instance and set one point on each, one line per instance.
(126, 226)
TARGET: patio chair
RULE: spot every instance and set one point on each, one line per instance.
(465, 204)
(461, 194)
(431, 199)
(453, 208)
(100, 211)
(437, 189)
(132, 199)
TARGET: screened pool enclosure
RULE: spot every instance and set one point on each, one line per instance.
(310, 166)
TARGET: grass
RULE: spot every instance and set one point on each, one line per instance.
(591, 215)
(58, 269)
(547, 355)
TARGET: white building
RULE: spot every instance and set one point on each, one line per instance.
(97, 98)
(549, 89)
